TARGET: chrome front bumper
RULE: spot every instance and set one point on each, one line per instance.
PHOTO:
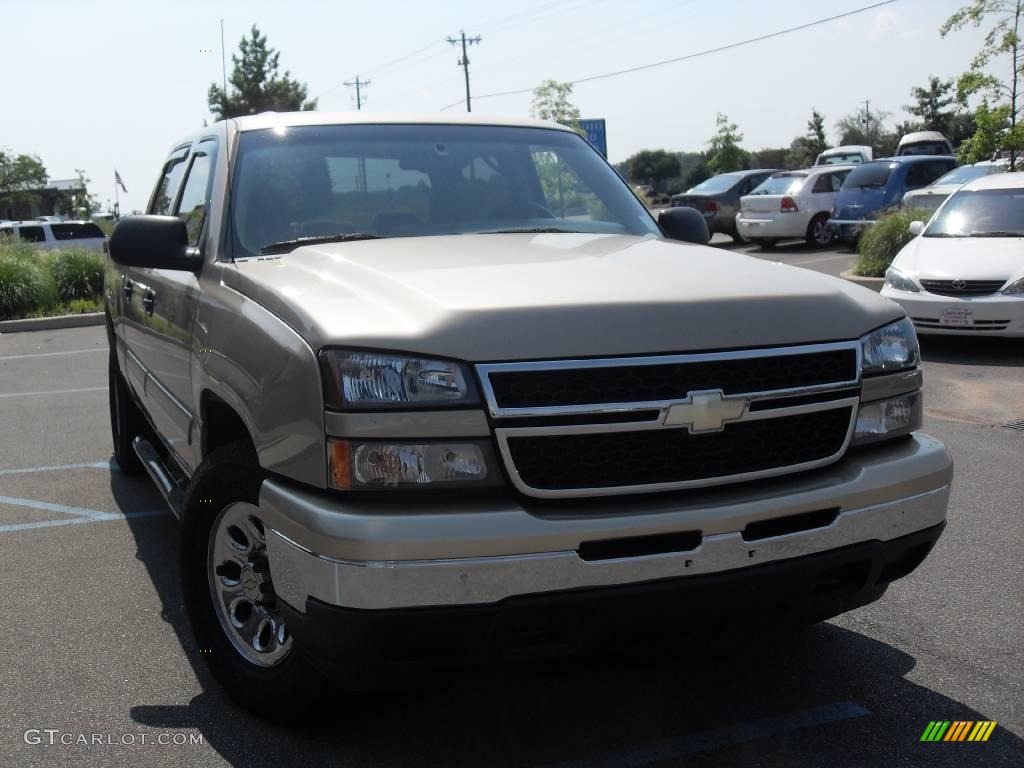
(374, 555)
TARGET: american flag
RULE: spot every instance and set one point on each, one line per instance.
(117, 180)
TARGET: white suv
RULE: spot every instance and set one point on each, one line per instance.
(50, 236)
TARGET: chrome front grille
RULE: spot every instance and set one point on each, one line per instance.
(571, 428)
(963, 287)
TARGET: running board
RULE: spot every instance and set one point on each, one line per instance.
(172, 492)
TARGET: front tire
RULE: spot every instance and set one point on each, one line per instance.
(229, 596)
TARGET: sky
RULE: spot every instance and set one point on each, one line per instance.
(105, 84)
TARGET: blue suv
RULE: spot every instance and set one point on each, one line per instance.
(876, 188)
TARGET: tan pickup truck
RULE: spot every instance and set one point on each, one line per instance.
(425, 389)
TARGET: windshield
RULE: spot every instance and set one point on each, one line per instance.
(365, 181)
(966, 173)
(924, 148)
(869, 175)
(781, 184)
(846, 158)
(716, 184)
(982, 213)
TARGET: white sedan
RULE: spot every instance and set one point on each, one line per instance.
(792, 204)
(964, 272)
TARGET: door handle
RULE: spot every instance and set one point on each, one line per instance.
(127, 286)
(149, 301)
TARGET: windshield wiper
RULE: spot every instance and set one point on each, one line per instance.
(997, 233)
(532, 231)
(286, 246)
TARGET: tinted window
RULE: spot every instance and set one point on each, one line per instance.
(75, 231)
(922, 174)
(982, 213)
(32, 234)
(167, 188)
(716, 184)
(869, 175)
(781, 184)
(194, 202)
(423, 180)
(848, 158)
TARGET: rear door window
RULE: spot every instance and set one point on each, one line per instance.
(32, 234)
(922, 174)
(869, 176)
(75, 231)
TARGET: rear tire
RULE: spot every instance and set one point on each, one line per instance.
(737, 237)
(227, 586)
(126, 419)
(818, 232)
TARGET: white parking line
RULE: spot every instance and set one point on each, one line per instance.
(54, 392)
(82, 520)
(110, 465)
(54, 354)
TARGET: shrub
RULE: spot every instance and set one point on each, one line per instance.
(882, 241)
(25, 283)
(77, 273)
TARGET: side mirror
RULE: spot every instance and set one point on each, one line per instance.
(684, 223)
(916, 228)
(158, 242)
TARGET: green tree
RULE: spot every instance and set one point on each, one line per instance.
(255, 85)
(990, 128)
(652, 166)
(20, 177)
(552, 101)
(1003, 43)
(933, 105)
(724, 147)
(805, 149)
(866, 128)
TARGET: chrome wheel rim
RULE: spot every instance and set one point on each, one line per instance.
(821, 233)
(243, 596)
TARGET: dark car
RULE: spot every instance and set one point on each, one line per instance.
(718, 198)
(878, 187)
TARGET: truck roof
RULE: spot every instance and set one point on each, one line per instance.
(288, 119)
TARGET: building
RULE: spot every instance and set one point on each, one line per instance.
(51, 200)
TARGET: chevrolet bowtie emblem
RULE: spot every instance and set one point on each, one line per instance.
(705, 411)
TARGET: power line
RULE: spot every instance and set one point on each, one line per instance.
(707, 52)
(358, 85)
(464, 61)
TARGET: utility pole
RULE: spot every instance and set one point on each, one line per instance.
(464, 61)
(867, 115)
(358, 85)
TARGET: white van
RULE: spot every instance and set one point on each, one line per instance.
(51, 235)
(851, 154)
(924, 143)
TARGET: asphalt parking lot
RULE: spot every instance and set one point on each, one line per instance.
(95, 640)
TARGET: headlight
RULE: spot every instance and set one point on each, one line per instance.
(889, 349)
(896, 279)
(369, 380)
(888, 418)
(389, 464)
(1014, 289)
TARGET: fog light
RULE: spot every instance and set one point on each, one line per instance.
(888, 418)
(363, 466)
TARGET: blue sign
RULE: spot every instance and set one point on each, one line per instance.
(596, 134)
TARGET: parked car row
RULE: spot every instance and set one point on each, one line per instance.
(48, 236)
(792, 204)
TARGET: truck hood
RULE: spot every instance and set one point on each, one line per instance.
(522, 296)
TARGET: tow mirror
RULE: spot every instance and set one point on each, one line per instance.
(158, 242)
(684, 223)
